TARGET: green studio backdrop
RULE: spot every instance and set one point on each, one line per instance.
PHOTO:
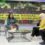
(2, 0)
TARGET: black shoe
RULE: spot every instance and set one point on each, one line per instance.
(42, 43)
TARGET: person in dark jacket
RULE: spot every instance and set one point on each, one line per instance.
(11, 22)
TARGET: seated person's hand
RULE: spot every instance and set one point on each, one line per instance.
(12, 26)
(17, 23)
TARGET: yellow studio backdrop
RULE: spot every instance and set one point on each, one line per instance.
(21, 16)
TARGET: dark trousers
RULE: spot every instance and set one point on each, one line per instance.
(42, 33)
(35, 31)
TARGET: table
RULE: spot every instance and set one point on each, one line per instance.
(17, 34)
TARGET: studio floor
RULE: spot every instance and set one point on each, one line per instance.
(19, 41)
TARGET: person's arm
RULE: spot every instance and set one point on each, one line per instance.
(42, 24)
(16, 22)
(5, 22)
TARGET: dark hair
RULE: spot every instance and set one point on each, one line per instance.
(38, 23)
(10, 17)
(43, 11)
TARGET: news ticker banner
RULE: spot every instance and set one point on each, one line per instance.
(21, 16)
